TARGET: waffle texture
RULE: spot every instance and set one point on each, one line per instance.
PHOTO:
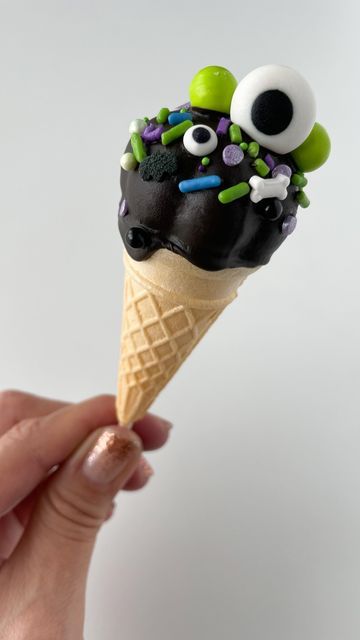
(169, 305)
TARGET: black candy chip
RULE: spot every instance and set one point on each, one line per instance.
(158, 166)
(137, 238)
(272, 112)
(270, 208)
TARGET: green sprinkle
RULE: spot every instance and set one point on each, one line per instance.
(253, 149)
(233, 193)
(138, 147)
(244, 146)
(183, 110)
(205, 161)
(298, 180)
(235, 134)
(162, 116)
(175, 132)
(261, 167)
(146, 120)
(302, 199)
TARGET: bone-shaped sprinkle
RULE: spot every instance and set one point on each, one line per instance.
(268, 187)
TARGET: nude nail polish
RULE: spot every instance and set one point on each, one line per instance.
(146, 468)
(112, 455)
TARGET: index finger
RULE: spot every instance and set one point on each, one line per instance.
(32, 447)
(18, 405)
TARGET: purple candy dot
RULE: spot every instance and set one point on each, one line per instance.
(123, 208)
(201, 168)
(270, 161)
(232, 155)
(288, 226)
(281, 168)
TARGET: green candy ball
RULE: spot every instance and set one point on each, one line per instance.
(314, 151)
(212, 88)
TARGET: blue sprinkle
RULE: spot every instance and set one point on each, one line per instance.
(197, 184)
(177, 117)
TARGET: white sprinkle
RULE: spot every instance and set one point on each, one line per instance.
(137, 126)
(128, 161)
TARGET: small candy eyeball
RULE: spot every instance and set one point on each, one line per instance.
(314, 151)
(200, 140)
(212, 88)
(275, 106)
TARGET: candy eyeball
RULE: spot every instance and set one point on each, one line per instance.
(200, 140)
(275, 106)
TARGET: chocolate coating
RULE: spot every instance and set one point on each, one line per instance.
(196, 225)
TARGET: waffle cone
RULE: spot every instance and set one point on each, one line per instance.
(169, 304)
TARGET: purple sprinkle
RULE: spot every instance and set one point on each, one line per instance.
(123, 208)
(224, 124)
(288, 226)
(152, 133)
(270, 161)
(232, 155)
(281, 168)
(186, 105)
(201, 168)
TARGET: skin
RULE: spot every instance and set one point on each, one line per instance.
(49, 520)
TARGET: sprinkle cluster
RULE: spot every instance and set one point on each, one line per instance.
(270, 180)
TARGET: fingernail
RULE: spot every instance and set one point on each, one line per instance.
(165, 424)
(112, 456)
(146, 468)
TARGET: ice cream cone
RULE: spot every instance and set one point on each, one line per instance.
(169, 304)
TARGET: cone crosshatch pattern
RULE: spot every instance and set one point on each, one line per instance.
(157, 336)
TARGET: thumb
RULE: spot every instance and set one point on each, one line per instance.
(74, 505)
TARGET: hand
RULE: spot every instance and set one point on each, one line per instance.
(60, 467)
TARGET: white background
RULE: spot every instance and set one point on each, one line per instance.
(251, 526)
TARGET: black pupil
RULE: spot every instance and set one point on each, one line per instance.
(272, 112)
(201, 135)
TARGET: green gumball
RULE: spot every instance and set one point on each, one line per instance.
(212, 88)
(314, 151)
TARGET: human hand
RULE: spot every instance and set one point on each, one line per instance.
(60, 467)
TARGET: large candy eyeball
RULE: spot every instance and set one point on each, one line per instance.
(200, 140)
(275, 106)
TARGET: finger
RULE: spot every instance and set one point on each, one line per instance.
(153, 431)
(13, 524)
(75, 504)
(25, 508)
(30, 449)
(111, 511)
(140, 477)
(11, 531)
(17, 405)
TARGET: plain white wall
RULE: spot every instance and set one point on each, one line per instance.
(251, 527)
